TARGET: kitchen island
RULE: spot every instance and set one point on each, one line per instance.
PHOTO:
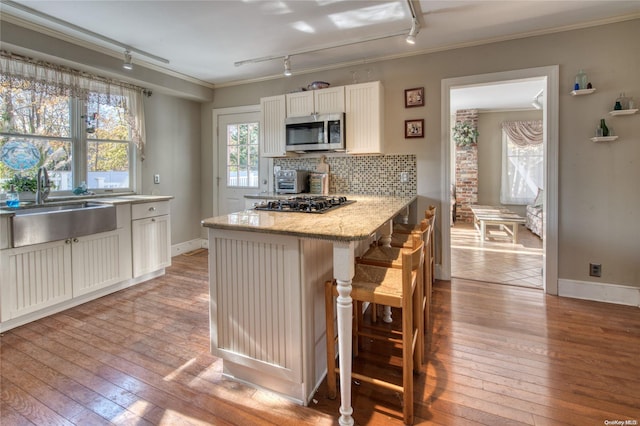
(267, 272)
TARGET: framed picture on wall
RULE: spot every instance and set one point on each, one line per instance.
(414, 97)
(414, 128)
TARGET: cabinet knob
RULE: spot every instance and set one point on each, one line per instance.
(152, 209)
(67, 241)
(153, 219)
(75, 240)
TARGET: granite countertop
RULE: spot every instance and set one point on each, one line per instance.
(106, 199)
(352, 222)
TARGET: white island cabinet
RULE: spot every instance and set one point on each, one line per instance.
(267, 274)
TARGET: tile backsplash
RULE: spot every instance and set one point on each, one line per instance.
(370, 175)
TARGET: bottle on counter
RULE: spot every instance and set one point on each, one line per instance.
(13, 198)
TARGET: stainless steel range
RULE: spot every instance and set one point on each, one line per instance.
(304, 204)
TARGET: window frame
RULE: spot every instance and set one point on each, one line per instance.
(79, 150)
(507, 198)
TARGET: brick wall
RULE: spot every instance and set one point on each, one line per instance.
(466, 178)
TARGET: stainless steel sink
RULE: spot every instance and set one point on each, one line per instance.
(61, 221)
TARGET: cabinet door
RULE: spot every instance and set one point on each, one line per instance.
(300, 104)
(34, 277)
(364, 118)
(272, 134)
(98, 261)
(321, 101)
(151, 239)
(329, 100)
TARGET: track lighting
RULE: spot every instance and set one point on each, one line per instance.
(127, 64)
(415, 29)
(287, 66)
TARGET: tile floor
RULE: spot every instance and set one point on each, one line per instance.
(496, 259)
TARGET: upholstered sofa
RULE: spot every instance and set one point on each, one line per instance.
(534, 214)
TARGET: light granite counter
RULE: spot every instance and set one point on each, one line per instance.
(353, 222)
(107, 199)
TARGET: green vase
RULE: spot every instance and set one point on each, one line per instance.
(603, 126)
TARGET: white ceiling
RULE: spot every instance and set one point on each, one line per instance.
(203, 39)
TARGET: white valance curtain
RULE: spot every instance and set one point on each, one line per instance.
(44, 78)
(522, 161)
(524, 132)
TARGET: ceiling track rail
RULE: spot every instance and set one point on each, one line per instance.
(79, 29)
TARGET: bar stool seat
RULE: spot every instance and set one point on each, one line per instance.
(398, 288)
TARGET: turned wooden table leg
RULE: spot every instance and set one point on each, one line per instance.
(344, 270)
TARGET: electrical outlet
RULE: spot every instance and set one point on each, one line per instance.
(404, 177)
(595, 269)
(156, 178)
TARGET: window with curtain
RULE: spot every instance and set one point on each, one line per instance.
(522, 161)
(80, 127)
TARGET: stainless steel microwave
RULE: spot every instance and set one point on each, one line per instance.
(316, 132)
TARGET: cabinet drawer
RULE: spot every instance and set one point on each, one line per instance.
(145, 210)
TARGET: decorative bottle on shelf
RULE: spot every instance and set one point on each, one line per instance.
(581, 80)
(603, 126)
(13, 199)
(623, 101)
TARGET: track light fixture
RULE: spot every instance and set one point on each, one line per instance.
(287, 66)
(127, 64)
(415, 29)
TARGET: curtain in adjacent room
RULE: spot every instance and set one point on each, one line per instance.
(522, 161)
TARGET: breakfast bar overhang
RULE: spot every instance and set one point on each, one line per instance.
(266, 276)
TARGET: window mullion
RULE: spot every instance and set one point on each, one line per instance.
(79, 142)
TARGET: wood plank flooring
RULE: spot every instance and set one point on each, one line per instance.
(500, 355)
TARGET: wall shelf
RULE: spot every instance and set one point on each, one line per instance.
(604, 139)
(623, 112)
(582, 92)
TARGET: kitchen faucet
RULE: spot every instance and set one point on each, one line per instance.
(44, 185)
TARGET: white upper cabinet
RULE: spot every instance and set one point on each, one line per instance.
(321, 101)
(272, 135)
(365, 117)
(363, 104)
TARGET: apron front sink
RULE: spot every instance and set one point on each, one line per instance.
(58, 222)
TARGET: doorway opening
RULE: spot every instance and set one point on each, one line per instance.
(494, 256)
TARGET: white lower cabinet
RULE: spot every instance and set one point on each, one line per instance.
(35, 277)
(99, 261)
(41, 279)
(151, 237)
(43, 275)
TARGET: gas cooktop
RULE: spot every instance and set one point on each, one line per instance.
(304, 204)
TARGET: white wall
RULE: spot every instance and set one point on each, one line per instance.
(599, 201)
(173, 152)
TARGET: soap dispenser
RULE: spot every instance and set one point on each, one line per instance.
(13, 199)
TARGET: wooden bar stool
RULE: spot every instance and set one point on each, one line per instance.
(399, 288)
(391, 257)
(397, 238)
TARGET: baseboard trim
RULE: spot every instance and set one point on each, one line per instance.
(187, 246)
(600, 292)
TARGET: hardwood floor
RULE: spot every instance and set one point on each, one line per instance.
(500, 355)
